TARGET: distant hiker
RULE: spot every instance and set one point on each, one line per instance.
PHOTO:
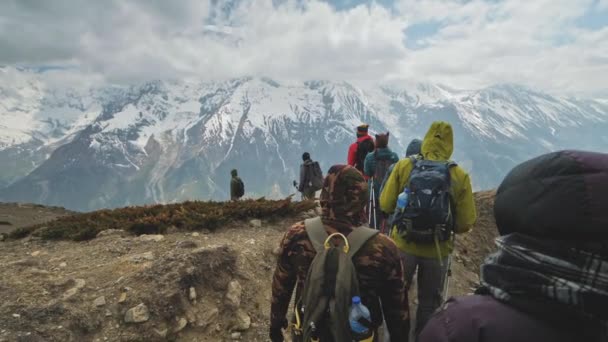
(237, 188)
(311, 177)
(413, 149)
(429, 187)
(359, 149)
(549, 279)
(310, 265)
(376, 167)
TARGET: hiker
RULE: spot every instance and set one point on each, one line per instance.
(311, 177)
(377, 263)
(413, 149)
(359, 149)
(423, 229)
(376, 167)
(237, 188)
(548, 281)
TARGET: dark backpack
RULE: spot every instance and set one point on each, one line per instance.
(382, 166)
(316, 177)
(363, 148)
(240, 187)
(428, 216)
(331, 282)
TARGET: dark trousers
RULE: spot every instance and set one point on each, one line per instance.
(431, 277)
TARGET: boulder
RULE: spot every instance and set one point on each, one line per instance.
(186, 244)
(137, 314)
(242, 321)
(233, 294)
(99, 301)
(151, 238)
(112, 232)
(256, 223)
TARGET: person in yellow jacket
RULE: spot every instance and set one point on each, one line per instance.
(431, 260)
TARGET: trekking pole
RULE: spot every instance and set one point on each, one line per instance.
(369, 207)
(374, 206)
(448, 272)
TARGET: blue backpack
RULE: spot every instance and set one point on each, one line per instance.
(428, 216)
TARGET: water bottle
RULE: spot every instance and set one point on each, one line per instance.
(403, 199)
(359, 311)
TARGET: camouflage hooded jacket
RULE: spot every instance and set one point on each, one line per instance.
(378, 263)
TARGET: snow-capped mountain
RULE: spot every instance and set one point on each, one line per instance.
(167, 141)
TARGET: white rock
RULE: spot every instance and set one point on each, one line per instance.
(138, 314)
(162, 333)
(192, 294)
(35, 253)
(256, 223)
(78, 285)
(16, 315)
(208, 317)
(235, 335)
(110, 232)
(147, 256)
(242, 320)
(100, 301)
(181, 324)
(149, 238)
(63, 265)
(195, 234)
(234, 293)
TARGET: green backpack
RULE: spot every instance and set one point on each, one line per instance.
(331, 282)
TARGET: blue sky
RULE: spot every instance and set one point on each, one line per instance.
(555, 45)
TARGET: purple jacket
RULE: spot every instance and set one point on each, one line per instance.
(483, 319)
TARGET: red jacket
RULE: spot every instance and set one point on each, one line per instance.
(352, 150)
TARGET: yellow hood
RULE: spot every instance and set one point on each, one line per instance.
(438, 142)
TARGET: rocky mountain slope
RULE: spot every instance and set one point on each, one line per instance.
(168, 141)
(181, 286)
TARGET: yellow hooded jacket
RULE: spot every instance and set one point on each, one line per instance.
(437, 145)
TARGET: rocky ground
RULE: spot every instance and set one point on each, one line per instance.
(181, 286)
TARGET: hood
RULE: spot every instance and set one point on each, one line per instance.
(438, 142)
(308, 162)
(234, 173)
(561, 196)
(413, 148)
(344, 195)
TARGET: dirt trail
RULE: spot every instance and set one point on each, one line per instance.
(83, 291)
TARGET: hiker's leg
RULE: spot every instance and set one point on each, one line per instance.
(431, 275)
(410, 263)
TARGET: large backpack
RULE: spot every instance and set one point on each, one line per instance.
(382, 166)
(331, 282)
(363, 148)
(316, 177)
(240, 187)
(428, 217)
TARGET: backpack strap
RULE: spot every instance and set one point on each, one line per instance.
(358, 237)
(316, 233)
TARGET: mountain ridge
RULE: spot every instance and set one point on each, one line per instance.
(166, 141)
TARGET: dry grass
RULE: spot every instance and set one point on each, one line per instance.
(156, 219)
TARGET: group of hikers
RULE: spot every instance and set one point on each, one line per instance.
(385, 220)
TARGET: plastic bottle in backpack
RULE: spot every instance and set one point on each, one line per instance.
(403, 200)
(359, 311)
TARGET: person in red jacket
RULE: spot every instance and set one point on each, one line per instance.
(359, 149)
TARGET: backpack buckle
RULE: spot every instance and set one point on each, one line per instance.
(327, 243)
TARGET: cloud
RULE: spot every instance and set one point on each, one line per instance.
(463, 44)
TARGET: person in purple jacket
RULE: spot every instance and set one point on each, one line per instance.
(549, 279)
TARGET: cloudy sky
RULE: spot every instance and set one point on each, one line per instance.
(554, 45)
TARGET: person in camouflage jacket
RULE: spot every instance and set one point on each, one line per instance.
(378, 263)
